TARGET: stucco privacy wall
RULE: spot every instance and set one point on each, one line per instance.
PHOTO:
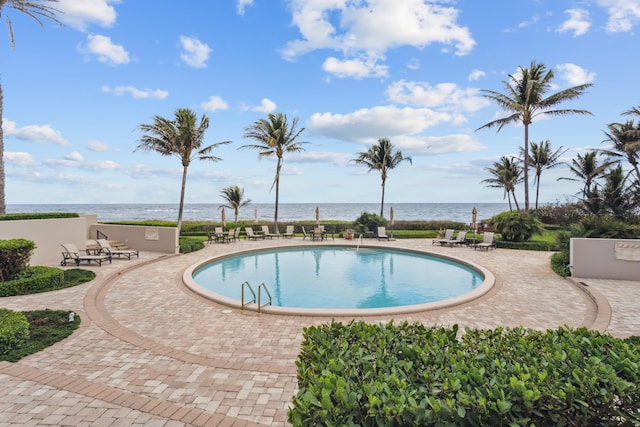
(142, 238)
(48, 235)
(613, 259)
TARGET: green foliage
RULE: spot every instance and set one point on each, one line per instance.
(32, 280)
(14, 330)
(409, 374)
(146, 223)
(369, 221)
(528, 246)
(46, 327)
(188, 245)
(563, 214)
(517, 226)
(37, 215)
(606, 227)
(77, 276)
(560, 264)
(14, 257)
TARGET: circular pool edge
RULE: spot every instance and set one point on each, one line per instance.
(486, 285)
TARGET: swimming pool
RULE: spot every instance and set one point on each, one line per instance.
(339, 278)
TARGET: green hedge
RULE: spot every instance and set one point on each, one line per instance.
(528, 245)
(14, 257)
(409, 374)
(33, 280)
(188, 245)
(37, 215)
(14, 330)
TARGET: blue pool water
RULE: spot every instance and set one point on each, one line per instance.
(337, 277)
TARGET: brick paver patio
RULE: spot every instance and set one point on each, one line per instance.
(150, 352)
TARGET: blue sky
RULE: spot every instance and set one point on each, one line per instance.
(350, 71)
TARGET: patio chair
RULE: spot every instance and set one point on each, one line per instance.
(71, 253)
(318, 234)
(487, 241)
(448, 236)
(288, 234)
(304, 233)
(219, 234)
(106, 248)
(229, 236)
(460, 239)
(267, 233)
(382, 233)
(251, 235)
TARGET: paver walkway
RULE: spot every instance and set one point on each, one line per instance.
(150, 352)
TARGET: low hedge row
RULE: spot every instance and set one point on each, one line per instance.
(33, 280)
(188, 245)
(528, 245)
(37, 215)
(14, 330)
(408, 374)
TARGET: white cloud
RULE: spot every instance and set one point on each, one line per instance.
(578, 22)
(368, 30)
(214, 103)
(135, 92)
(623, 14)
(79, 14)
(242, 4)
(106, 51)
(94, 145)
(195, 53)
(475, 75)
(431, 145)
(19, 158)
(413, 64)
(446, 96)
(369, 124)
(574, 74)
(33, 133)
(266, 106)
(339, 159)
(74, 156)
(354, 68)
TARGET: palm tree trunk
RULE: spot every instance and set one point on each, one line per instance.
(382, 203)
(509, 199)
(277, 191)
(184, 185)
(526, 169)
(516, 201)
(537, 190)
(3, 206)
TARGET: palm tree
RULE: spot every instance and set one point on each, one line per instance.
(540, 158)
(588, 169)
(38, 10)
(275, 137)
(234, 196)
(524, 99)
(381, 157)
(506, 175)
(182, 137)
(626, 143)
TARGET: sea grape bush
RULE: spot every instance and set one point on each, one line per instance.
(409, 374)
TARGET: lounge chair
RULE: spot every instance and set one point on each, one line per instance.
(230, 236)
(304, 233)
(382, 233)
(71, 253)
(267, 233)
(448, 236)
(487, 241)
(251, 235)
(106, 248)
(288, 234)
(460, 239)
(318, 234)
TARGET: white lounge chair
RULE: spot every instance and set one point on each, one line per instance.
(382, 233)
(71, 253)
(267, 233)
(460, 239)
(251, 235)
(288, 234)
(106, 248)
(448, 236)
(487, 241)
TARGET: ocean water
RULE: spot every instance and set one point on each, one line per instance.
(460, 212)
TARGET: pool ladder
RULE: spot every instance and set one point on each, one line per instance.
(262, 286)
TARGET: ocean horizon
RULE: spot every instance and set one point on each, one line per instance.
(460, 212)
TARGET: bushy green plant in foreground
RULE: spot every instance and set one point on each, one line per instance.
(517, 226)
(14, 330)
(14, 257)
(408, 374)
(44, 279)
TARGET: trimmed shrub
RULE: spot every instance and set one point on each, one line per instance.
(517, 226)
(369, 221)
(14, 257)
(560, 264)
(14, 330)
(560, 214)
(529, 246)
(382, 374)
(32, 280)
(37, 215)
(188, 245)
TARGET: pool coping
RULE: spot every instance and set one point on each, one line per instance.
(486, 286)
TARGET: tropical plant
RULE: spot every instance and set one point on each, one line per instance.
(588, 169)
(275, 137)
(369, 221)
(383, 158)
(524, 99)
(617, 194)
(181, 137)
(38, 10)
(506, 175)
(626, 143)
(540, 158)
(234, 196)
(517, 226)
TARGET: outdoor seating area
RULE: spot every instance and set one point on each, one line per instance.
(105, 248)
(72, 254)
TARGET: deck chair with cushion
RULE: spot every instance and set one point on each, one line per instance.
(487, 241)
(251, 235)
(106, 248)
(288, 234)
(382, 233)
(71, 253)
(460, 239)
(267, 233)
(448, 236)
